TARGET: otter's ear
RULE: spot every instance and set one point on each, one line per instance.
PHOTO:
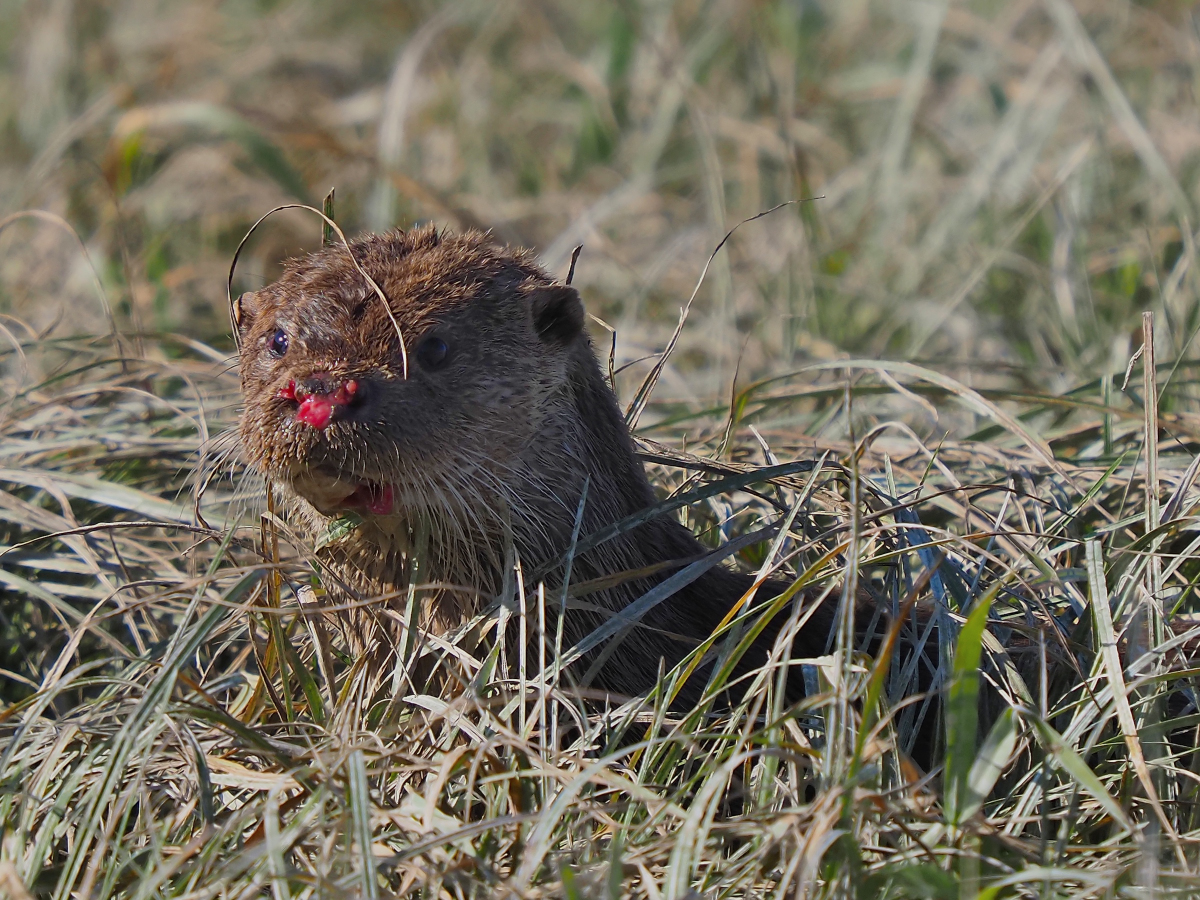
(242, 311)
(557, 313)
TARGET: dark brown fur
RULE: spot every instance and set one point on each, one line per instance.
(499, 441)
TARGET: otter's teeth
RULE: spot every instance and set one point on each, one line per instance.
(379, 500)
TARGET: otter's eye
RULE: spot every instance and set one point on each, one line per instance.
(278, 344)
(432, 352)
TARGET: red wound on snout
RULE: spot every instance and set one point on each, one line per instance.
(315, 410)
(318, 407)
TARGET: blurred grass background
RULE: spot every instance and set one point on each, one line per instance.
(1000, 184)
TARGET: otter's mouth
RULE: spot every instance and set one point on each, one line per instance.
(334, 492)
(376, 499)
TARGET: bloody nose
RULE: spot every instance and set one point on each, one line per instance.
(319, 397)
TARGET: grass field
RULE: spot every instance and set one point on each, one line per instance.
(993, 208)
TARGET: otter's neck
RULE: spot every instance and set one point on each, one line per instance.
(582, 440)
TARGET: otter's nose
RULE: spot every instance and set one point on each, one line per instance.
(319, 396)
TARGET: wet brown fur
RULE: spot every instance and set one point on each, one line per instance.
(497, 442)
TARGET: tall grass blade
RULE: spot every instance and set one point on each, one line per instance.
(962, 712)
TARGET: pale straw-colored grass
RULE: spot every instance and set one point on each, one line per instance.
(943, 336)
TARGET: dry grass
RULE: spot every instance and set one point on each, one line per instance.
(1004, 191)
(987, 193)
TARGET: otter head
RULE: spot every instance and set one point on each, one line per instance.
(423, 397)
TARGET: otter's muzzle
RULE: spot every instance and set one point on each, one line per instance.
(319, 397)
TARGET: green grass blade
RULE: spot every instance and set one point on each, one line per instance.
(962, 711)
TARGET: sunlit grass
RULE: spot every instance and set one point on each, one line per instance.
(998, 194)
(180, 721)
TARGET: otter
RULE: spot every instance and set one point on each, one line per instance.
(455, 401)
